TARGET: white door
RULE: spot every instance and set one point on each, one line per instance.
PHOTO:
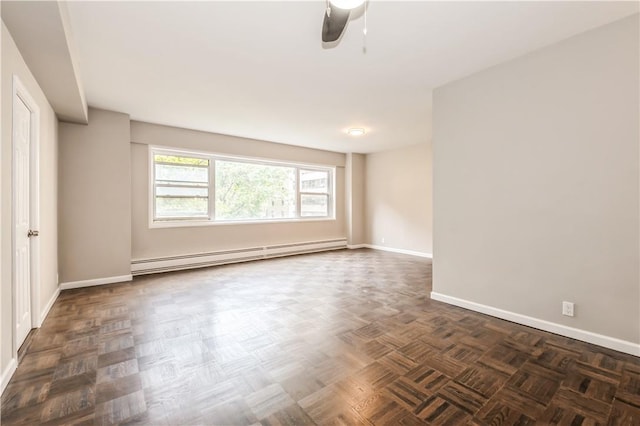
(21, 202)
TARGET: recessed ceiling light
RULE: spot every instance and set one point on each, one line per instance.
(355, 132)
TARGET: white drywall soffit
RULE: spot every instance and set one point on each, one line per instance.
(42, 32)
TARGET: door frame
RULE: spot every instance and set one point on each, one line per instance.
(20, 92)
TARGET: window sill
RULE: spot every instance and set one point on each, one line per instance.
(192, 223)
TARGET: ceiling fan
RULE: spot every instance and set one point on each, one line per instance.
(336, 17)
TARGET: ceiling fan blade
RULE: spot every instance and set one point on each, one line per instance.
(333, 26)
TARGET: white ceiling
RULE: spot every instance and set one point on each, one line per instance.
(258, 69)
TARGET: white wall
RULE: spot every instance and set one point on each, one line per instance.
(3, 379)
(95, 198)
(355, 198)
(536, 186)
(13, 64)
(398, 199)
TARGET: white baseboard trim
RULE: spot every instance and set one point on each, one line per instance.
(96, 281)
(201, 260)
(397, 250)
(47, 308)
(7, 374)
(356, 246)
(563, 330)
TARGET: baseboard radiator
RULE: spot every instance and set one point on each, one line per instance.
(201, 260)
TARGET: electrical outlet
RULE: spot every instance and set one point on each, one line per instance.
(567, 309)
(382, 240)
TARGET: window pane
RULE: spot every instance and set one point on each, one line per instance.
(161, 158)
(314, 181)
(178, 173)
(182, 191)
(246, 191)
(181, 207)
(314, 205)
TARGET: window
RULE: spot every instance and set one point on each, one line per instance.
(207, 187)
(314, 193)
(181, 187)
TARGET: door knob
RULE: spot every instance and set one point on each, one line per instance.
(32, 233)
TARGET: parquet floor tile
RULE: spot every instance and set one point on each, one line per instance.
(335, 338)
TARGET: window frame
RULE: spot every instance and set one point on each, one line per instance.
(212, 157)
(154, 185)
(300, 192)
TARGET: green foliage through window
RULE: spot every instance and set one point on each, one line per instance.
(254, 191)
(174, 159)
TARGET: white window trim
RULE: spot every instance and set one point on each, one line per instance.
(212, 157)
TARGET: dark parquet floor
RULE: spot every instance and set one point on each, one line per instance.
(345, 337)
